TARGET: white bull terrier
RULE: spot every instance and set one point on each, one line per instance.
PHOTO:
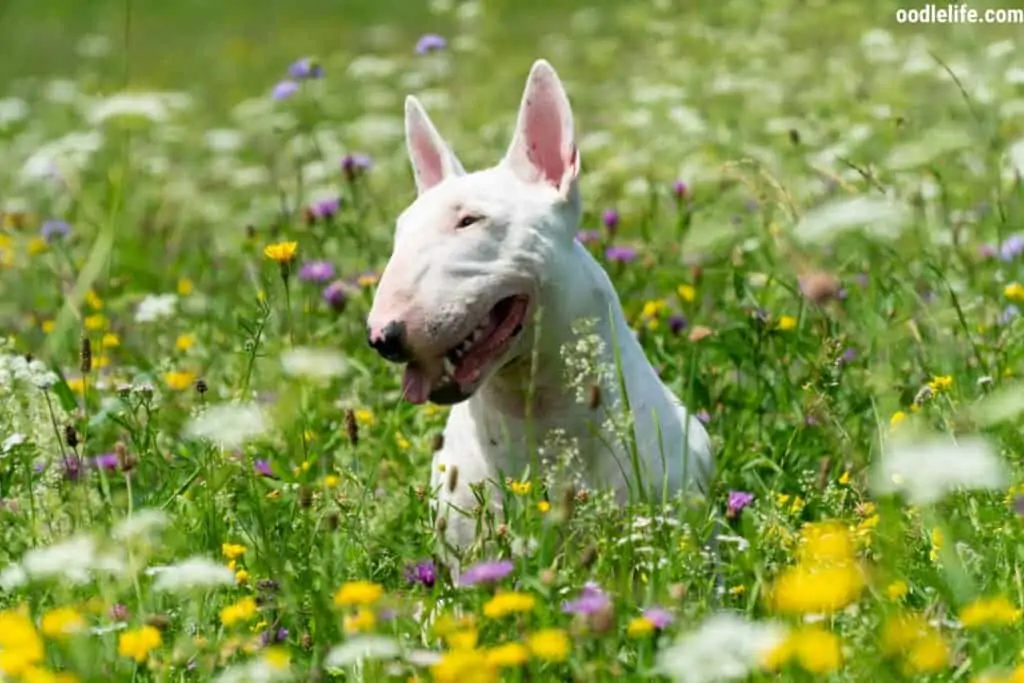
(479, 298)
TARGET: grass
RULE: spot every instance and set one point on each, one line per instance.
(785, 120)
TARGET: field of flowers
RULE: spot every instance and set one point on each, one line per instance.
(813, 217)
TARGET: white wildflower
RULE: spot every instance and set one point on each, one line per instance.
(12, 442)
(139, 525)
(260, 670)
(194, 573)
(155, 106)
(925, 470)
(156, 307)
(359, 648)
(229, 425)
(72, 560)
(875, 215)
(313, 364)
(12, 110)
(13, 576)
(725, 647)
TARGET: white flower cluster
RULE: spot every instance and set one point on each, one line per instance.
(25, 414)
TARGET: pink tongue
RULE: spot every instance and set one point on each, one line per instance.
(415, 385)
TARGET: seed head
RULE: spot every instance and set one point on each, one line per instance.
(819, 286)
(352, 427)
(85, 355)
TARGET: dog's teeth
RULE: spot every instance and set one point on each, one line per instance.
(449, 367)
(477, 334)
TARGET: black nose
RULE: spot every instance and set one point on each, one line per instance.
(390, 343)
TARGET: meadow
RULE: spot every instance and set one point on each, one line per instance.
(812, 215)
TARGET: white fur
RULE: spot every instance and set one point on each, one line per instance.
(440, 281)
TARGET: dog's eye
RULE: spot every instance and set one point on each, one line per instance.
(467, 221)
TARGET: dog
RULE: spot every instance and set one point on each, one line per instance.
(479, 300)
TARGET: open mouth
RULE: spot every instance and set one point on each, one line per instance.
(465, 363)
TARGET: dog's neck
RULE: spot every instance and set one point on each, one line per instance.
(535, 384)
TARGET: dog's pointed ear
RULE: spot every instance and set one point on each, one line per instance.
(432, 160)
(543, 148)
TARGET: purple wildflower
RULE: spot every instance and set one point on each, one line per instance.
(119, 612)
(354, 165)
(305, 68)
(591, 600)
(324, 209)
(273, 635)
(284, 90)
(677, 323)
(336, 295)
(72, 468)
(424, 573)
(704, 416)
(1012, 247)
(987, 251)
(1009, 314)
(486, 572)
(620, 254)
(658, 617)
(861, 279)
(316, 271)
(54, 228)
(610, 218)
(430, 42)
(1018, 505)
(849, 355)
(107, 461)
(262, 467)
(680, 190)
(587, 236)
(737, 501)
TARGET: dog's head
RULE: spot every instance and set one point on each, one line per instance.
(473, 252)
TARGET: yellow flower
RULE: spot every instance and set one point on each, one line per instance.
(185, 286)
(897, 417)
(241, 611)
(276, 658)
(652, 309)
(687, 293)
(331, 481)
(464, 666)
(358, 593)
(936, 538)
(543, 506)
(401, 442)
(61, 622)
(21, 648)
(844, 478)
(185, 342)
(1014, 291)
(992, 611)
(281, 252)
(787, 323)
(462, 639)
(367, 280)
(929, 654)
(509, 602)
(47, 326)
(897, 590)
(93, 300)
(921, 646)
(520, 488)
(76, 384)
(365, 417)
(242, 576)
(639, 627)
(179, 380)
(138, 643)
(816, 590)
(361, 621)
(827, 541)
(549, 644)
(816, 650)
(95, 322)
(940, 383)
(507, 655)
(232, 551)
(110, 340)
(36, 245)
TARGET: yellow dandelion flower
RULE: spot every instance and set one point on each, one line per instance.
(929, 654)
(507, 655)
(1014, 291)
(941, 383)
(897, 590)
(827, 541)
(361, 621)
(281, 252)
(47, 326)
(549, 644)
(93, 300)
(95, 322)
(21, 648)
(185, 286)
(543, 506)
(817, 650)
(179, 380)
(36, 246)
(184, 342)
(240, 612)
(76, 384)
(816, 590)
(241, 577)
(520, 488)
(507, 603)
(110, 341)
(402, 443)
(639, 627)
(687, 293)
(897, 417)
(936, 540)
(654, 308)
(331, 481)
(232, 551)
(462, 639)
(61, 621)
(276, 658)
(358, 593)
(138, 643)
(844, 478)
(365, 417)
(367, 280)
(786, 323)
(989, 611)
(464, 666)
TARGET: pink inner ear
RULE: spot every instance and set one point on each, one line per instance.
(426, 158)
(543, 133)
